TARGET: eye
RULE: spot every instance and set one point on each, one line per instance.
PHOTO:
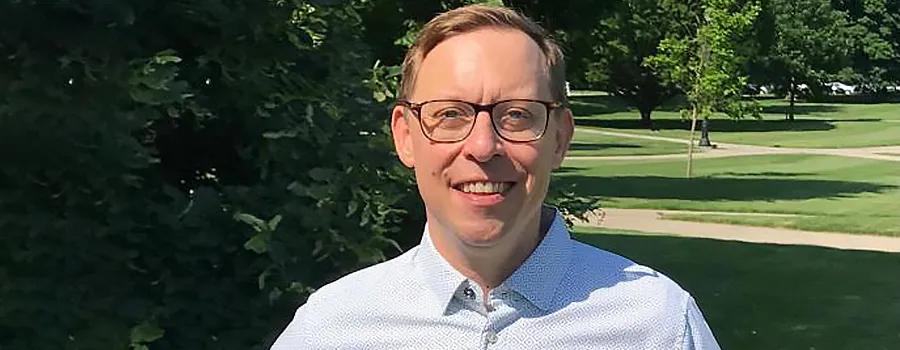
(449, 113)
(517, 114)
(447, 116)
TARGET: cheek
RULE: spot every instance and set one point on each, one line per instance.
(432, 160)
(533, 159)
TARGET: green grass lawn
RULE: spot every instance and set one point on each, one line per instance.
(839, 194)
(762, 296)
(817, 125)
(593, 144)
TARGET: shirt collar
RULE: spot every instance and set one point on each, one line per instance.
(439, 278)
(537, 279)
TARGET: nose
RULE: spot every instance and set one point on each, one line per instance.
(483, 143)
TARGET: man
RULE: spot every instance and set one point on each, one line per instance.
(482, 121)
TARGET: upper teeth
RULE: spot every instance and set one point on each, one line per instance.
(485, 187)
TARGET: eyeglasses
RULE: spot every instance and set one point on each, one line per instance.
(515, 120)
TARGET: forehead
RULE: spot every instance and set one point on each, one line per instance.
(483, 66)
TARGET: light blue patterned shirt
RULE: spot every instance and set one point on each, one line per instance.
(566, 295)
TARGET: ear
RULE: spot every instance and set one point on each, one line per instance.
(401, 133)
(565, 130)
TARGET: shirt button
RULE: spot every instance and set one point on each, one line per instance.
(469, 293)
(490, 336)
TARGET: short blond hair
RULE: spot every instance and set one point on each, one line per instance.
(473, 17)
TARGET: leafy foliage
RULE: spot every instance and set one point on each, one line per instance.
(389, 26)
(571, 23)
(180, 175)
(705, 64)
(875, 34)
(805, 41)
(622, 41)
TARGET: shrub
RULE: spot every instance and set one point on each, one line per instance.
(180, 175)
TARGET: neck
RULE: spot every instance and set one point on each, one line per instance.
(489, 266)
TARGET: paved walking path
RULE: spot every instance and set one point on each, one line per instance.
(650, 221)
(733, 150)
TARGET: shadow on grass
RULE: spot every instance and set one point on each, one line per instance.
(801, 110)
(580, 146)
(764, 296)
(859, 99)
(715, 125)
(591, 105)
(766, 174)
(713, 188)
(608, 104)
(567, 170)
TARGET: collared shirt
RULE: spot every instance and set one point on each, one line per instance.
(566, 295)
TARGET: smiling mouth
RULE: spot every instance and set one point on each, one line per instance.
(484, 187)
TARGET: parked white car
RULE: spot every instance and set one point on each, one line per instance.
(754, 89)
(839, 88)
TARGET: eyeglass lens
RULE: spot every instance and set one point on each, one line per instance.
(453, 120)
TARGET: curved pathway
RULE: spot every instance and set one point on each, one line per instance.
(651, 221)
(889, 153)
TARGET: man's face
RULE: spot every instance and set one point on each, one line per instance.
(481, 189)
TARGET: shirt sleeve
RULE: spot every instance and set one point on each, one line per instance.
(697, 335)
(295, 336)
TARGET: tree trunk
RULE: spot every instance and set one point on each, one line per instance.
(690, 163)
(793, 93)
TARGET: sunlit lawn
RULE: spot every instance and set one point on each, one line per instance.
(817, 125)
(761, 296)
(593, 144)
(836, 194)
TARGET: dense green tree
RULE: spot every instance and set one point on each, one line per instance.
(801, 42)
(182, 174)
(390, 25)
(571, 23)
(622, 40)
(706, 65)
(876, 51)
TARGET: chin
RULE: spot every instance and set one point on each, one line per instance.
(483, 234)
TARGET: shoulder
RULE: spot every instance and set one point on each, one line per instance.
(347, 305)
(367, 283)
(598, 270)
(634, 303)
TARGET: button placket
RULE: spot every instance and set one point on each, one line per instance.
(491, 304)
(469, 293)
(490, 336)
(470, 296)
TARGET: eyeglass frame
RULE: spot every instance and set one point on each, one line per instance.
(489, 108)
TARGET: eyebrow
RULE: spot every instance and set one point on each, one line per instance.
(455, 95)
